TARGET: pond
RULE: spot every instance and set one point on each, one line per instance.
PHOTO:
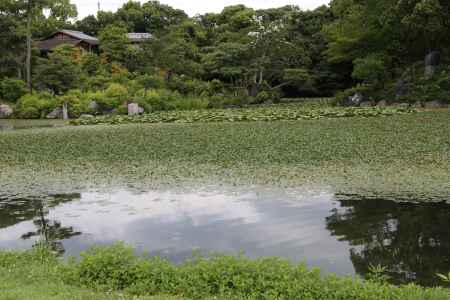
(13, 124)
(322, 229)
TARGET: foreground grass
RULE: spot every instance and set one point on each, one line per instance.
(29, 275)
(403, 155)
(117, 273)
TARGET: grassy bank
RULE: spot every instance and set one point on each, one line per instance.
(117, 273)
(402, 155)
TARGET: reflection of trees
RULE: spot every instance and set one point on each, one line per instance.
(50, 232)
(16, 210)
(411, 240)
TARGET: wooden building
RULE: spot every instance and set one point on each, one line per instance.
(83, 41)
(75, 38)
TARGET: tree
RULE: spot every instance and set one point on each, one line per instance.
(61, 71)
(114, 43)
(60, 10)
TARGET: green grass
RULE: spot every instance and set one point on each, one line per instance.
(25, 276)
(406, 156)
(117, 273)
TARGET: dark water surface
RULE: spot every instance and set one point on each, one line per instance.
(340, 236)
(12, 124)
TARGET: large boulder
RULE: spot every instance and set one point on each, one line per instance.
(382, 104)
(133, 109)
(5, 111)
(57, 113)
(356, 99)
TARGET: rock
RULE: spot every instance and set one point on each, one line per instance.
(86, 116)
(434, 104)
(366, 104)
(417, 104)
(356, 99)
(93, 105)
(109, 111)
(5, 111)
(57, 113)
(382, 103)
(133, 109)
(432, 61)
(141, 110)
(400, 105)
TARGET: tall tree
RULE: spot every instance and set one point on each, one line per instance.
(34, 9)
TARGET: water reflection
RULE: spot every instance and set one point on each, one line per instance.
(13, 124)
(411, 240)
(339, 236)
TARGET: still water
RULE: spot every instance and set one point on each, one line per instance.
(12, 124)
(321, 229)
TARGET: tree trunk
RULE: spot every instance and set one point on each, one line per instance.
(28, 59)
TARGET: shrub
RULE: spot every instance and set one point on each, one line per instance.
(12, 89)
(226, 277)
(189, 103)
(34, 106)
(189, 86)
(79, 102)
(114, 96)
(158, 100)
(98, 82)
(429, 89)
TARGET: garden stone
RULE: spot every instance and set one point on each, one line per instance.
(434, 104)
(141, 110)
(400, 105)
(93, 105)
(109, 111)
(382, 103)
(356, 99)
(5, 111)
(86, 116)
(133, 109)
(57, 113)
(417, 104)
(366, 104)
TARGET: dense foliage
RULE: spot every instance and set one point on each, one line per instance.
(117, 268)
(239, 55)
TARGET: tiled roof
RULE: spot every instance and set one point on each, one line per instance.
(139, 37)
(81, 36)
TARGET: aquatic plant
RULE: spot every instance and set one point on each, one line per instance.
(261, 113)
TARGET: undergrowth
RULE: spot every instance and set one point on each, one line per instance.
(118, 268)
